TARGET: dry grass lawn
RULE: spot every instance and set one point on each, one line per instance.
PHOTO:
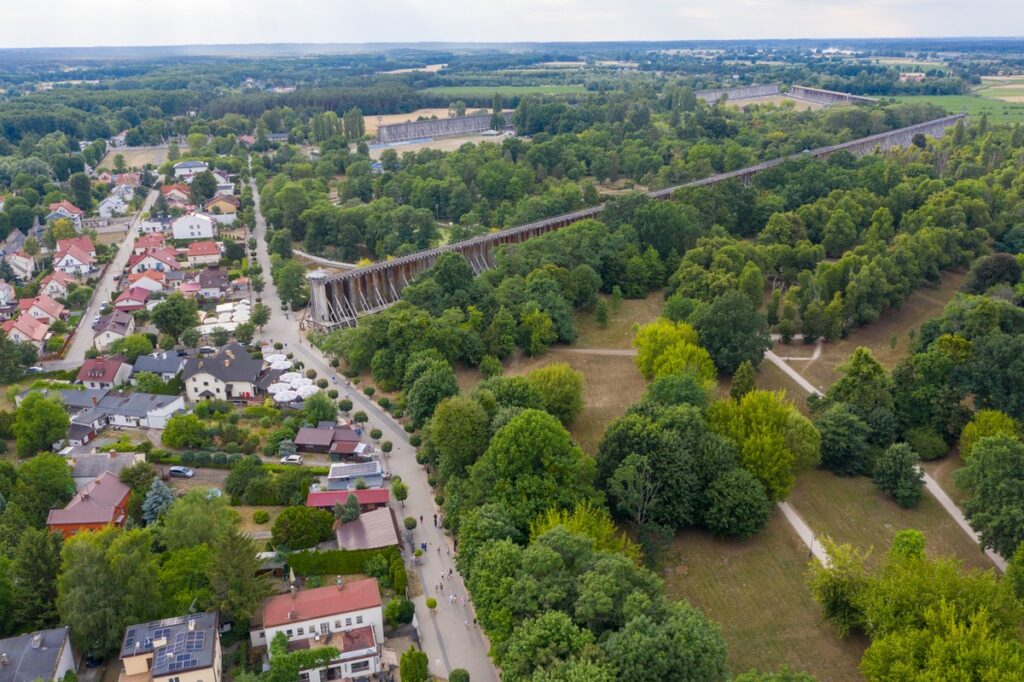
(756, 590)
(851, 510)
(923, 304)
(619, 331)
(247, 525)
(137, 158)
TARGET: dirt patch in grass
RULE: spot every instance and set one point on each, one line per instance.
(756, 590)
(851, 509)
(611, 383)
(923, 304)
(619, 332)
(247, 525)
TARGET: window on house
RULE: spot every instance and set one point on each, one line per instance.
(348, 621)
(359, 620)
(359, 666)
(323, 628)
(337, 624)
(302, 631)
(288, 632)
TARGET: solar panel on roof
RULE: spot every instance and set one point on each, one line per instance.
(194, 641)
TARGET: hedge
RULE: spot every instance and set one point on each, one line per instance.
(347, 562)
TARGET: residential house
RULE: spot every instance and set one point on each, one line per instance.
(231, 374)
(87, 467)
(65, 209)
(151, 227)
(224, 184)
(128, 179)
(203, 253)
(179, 649)
(187, 169)
(193, 226)
(369, 498)
(176, 195)
(84, 243)
(57, 284)
(149, 279)
(372, 530)
(348, 617)
(104, 372)
(8, 301)
(27, 329)
(222, 203)
(213, 283)
(149, 242)
(12, 243)
(22, 265)
(98, 504)
(44, 655)
(111, 328)
(173, 280)
(112, 206)
(166, 365)
(74, 261)
(311, 439)
(132, 299)
(343, 476)
(123, 192)
(140, 410)
(43, 308)
(161, 260)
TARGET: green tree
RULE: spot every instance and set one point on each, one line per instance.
(541, 642)
(844, 441)
(185, 431)
(732, 331)
(459, 431)
(237, 586)
(400, 490)
(183, 579)
(280, 243)
(652, 340)
(399, 611)
(500, 337)
(864, 386)
(39, 423)
(897, 473)
(349, 511)
(319, 408)
(536, 332)
(301, 527)
(132, 346)
(561, 389)
(987, 423)
(840, 587)
(81, 190)
(175, 314)
(245, 332)
(138, 477)
(203, 187)
(13, 360)
(197, 518)
(158, 500)
(260, 315)
(738, 505)
(34, 579)
(412, 666)
(743, 381)
(435, 384)
(994, 475)
(290, 280)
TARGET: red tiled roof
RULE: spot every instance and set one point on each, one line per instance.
(96, 502)
(57, 276)
(327, 498)
(78, 254)
(356, 595)
(29, 327)
(152, 240)
(154, 275)
(44, 303)
(102, 370)
(165, 256)
(67, 206)
(127, 179)
(140, 294)
(167, 189)
(206, 248)
(83, 242)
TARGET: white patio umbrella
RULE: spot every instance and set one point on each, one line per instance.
(281, 364)
(306, 391)
(299, 382)
(289, 377)
(273, 389)
(285, 396)
(275, 357)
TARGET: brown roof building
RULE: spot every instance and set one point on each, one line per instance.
(98, 504)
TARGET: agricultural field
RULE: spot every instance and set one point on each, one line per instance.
(486, 90)
(756, 590)
(849, 509)
(997, 110)
(1007, 91)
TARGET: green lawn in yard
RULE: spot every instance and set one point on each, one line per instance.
(998, 111)
(756, 590)
(477, 90)
(851, 510)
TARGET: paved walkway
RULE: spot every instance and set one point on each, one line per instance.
(449, 636)
(804, 532)
(82, 341)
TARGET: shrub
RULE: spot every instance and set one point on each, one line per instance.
(340, 561)
(260, 516)
(369, 391)
(397, 413)
(278, 345)
(410, 523)
(302, 527)
(409, 428)
(737, 504)
(415, 440)
(322, 383)
(927, 443)
(896, 473)
(386, 446)
(439, 500)
(458, 675)
(399, 611)
(431, 603)
(345, 405)
(376, 434)
(422, 458)
(332, 394)
(311, 374)
(384, 402)
(203, 459)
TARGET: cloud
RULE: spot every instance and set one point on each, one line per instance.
(55, 23)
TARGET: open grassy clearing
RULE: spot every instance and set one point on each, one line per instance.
(138, 157)
(923, 304)
(1011, 92)
(756, 590)
(619, 331)
(975, 105)
(247, 525)
(478, 90)
(850, 509)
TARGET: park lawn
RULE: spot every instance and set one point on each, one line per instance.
(611, 383)
(247, 525)
(137, 158)
(619, 331)
(923, 304)
(478, 90)
(997, 110)
(849, 509)
(756, 590)
(943, 470)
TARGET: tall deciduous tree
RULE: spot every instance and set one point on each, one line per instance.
(238, 591)
(994, 475)
(459, 431)
(175, 314)
(38, 424)
(897, 473)
(561, 389)
(732, 331)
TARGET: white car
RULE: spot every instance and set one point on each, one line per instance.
(291, 459)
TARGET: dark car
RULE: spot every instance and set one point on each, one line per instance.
(180, 472)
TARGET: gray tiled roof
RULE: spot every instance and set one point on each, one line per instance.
(232, 363)
(159, 363)
(29, 661)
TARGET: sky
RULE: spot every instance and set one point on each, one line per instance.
(65, 23)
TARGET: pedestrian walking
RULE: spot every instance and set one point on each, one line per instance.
(463, 601)
(467, 623)
(421, 519)
(450, 573)
(435, 520)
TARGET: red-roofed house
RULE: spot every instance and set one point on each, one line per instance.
(148, 242)
(42, 308)
(55, 285)
(22, 264)
(65, 209)
(150, 279)
(102, 502)
(369, 498)
(176, 194)
(161, 260)
(203, 253)
(75, 256)
(27, 329)
(104, 372)
(84, 243)
(132, 298)
(348, 617)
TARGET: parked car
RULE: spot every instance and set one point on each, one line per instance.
(34, 369)
(181, 472)
(291, 459)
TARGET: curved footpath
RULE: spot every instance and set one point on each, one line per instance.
(449, 637)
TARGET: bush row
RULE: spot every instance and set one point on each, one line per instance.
(347, 562)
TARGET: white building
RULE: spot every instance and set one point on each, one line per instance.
(45, 655)
(186, 169)
(112, 206)
(193, 226)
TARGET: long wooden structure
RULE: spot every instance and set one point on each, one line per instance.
(340, 299)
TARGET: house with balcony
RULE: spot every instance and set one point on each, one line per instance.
(231, 374)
